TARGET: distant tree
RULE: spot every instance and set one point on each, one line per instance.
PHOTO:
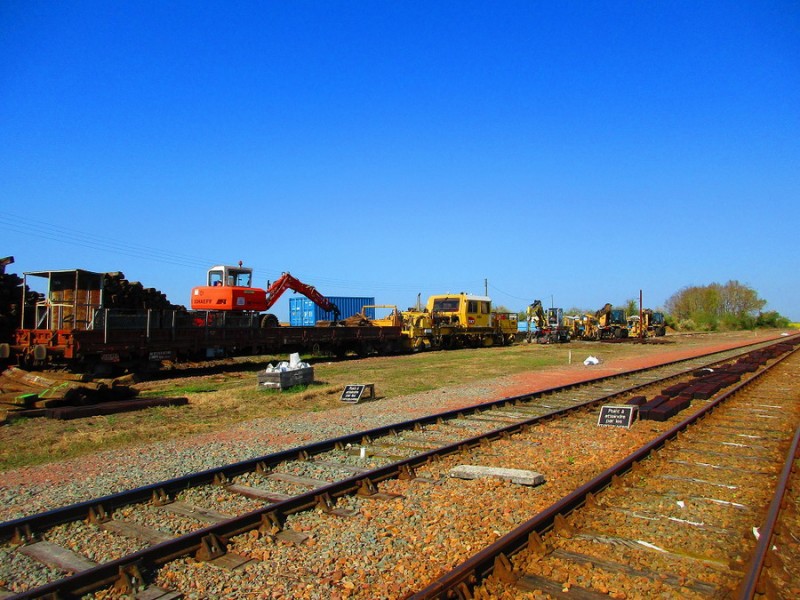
(631, 307)
(772, 319)
(501, 308)
(714, 306)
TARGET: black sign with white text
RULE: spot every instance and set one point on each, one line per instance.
(352, 393)
(617, 416)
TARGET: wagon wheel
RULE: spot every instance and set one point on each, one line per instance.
(269, 320)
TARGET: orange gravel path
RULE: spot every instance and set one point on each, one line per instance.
(534, 381)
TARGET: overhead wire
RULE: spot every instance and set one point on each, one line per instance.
(40, 229)
(494, 287)
(37, 228)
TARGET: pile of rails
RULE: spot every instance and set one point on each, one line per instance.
(25, 394)
(118, 292)
(707, 382)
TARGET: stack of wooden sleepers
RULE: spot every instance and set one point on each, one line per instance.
(61, 395)
(706, 383)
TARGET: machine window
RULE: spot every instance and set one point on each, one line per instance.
(215, 278)
(445, 305)
(243, 279)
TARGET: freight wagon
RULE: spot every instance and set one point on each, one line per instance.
(99, 321)
(81, 322)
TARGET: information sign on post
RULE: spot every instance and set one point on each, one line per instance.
(617, 416)
(353, 392)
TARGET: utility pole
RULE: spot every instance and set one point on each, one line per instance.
(485, 287)
(641, 316)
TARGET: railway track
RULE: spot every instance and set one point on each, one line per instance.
(201, 535)
(691, 514)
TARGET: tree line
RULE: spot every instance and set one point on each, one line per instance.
(716, 307)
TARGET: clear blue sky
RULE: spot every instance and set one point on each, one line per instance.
(572, 151)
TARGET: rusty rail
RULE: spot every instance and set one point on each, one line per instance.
(754, 581)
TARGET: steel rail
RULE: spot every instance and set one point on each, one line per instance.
(28, 525)
(142, 561)
(482, 564)
(752, 584)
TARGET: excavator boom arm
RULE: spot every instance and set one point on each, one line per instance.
(288, 281)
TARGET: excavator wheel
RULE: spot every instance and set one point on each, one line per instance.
(269, 320)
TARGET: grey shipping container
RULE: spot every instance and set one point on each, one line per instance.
(303, 311)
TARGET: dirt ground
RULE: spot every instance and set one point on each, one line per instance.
(683, 347)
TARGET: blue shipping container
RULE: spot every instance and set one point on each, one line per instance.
(304, 313)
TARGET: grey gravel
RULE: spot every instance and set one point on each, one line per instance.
(119, 470)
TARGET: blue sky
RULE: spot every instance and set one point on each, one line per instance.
(572, 151)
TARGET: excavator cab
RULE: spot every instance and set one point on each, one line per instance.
(229, 288)
(230, 276)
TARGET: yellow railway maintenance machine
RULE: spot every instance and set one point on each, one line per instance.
(451, 321)
(465, 320)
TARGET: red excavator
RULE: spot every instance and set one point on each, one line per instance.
(230, 289)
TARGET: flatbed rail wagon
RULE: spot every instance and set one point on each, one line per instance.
(75, 326)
